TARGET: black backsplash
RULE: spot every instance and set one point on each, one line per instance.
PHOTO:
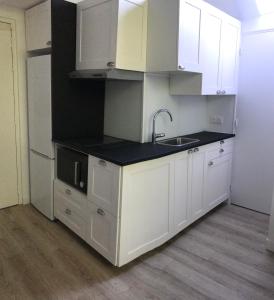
(77, 105)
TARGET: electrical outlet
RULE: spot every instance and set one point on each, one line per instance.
(218, 120)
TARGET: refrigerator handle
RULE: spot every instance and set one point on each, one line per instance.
(76, 172)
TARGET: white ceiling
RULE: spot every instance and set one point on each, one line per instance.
(20, 3)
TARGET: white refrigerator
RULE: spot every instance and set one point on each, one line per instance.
(40, 134)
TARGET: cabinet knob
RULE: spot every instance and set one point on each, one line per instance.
(102, 163)
(223, 92)
(196, 150)
(218, 92)
(190, 151)
(100, 212)
(181, 67)
(211, 163)
(68, 212)
(48, 43)
(222, 151)
(111, 64)
(222, 142)
(68, 192)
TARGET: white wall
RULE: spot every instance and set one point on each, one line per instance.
(21, 104)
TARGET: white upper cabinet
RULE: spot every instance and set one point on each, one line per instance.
(219, 57)
(174, 35)
(111, 34)
(38, 26)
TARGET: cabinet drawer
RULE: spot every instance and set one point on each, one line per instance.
(104, 184)
(68, 214)
(72, 196)
(101, 232)
(220, 149)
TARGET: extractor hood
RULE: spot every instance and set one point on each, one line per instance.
(112, 74)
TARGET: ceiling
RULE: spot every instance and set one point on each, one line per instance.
(20, 3)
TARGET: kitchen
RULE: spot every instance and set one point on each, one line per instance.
(136, 147)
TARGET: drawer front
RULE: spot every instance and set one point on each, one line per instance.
(104, 184)
(101, 232)
(68, 214)
(220, 150)
(72, 196)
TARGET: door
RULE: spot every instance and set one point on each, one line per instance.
(196, 184)
(189, 35)
(253, 163)
(96, 34)
(181, 203)
(217, 181)
(8, 159)
(210, 50)
(41, 187)
(38, 26)
(39, 105)
(230, 40)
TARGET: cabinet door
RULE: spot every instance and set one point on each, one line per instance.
(38, 26)
(189, 35)
(96, 34)
(181, 203)
(196, 184)
(101, 232)
(104, 184)
(146, 208)
(132, 35)
(217, 181)
(210, 51)
(230, 40)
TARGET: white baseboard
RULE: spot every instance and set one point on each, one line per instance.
(270, 244)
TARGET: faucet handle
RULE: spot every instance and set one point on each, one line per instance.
(159, 135)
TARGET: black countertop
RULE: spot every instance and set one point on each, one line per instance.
(123, 153)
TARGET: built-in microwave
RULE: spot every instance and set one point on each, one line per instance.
(72, 168)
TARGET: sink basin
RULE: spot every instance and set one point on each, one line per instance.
(178, 141)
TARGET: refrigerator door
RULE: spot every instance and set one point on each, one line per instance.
(39, 105)
(41, 183)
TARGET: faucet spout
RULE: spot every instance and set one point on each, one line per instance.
(157, 135)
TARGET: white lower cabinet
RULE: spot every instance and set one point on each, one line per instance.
(133, 209)
(101, 232)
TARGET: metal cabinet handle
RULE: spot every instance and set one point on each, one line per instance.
(181, 67)
(196, 150)
(222, 151)
(48, 43)
(100, 212)
(211, 163)
(76, 172)
(111, 64)
(222, 142)
(190, 151)
(218, 92)
(68, 212)
(102, 163)
(68, 192)
(223, 92)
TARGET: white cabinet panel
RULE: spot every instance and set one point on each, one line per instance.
(181, 192)
(38, 26)
(111, 33)
(146, 218)
(217, 180)
(196, 183)
(189, 35)
(101, 232)
(104, 184)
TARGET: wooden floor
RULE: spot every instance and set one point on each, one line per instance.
(222, 256)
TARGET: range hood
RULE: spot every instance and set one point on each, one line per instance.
(111, 74)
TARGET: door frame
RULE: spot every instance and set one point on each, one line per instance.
(12, 23)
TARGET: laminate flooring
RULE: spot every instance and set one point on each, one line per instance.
(222, 256)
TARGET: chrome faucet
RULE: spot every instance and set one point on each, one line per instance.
(158, 135)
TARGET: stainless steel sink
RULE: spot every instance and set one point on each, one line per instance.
(177, 141)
